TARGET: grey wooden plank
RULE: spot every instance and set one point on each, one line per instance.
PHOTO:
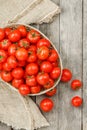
(71, 54)
(52, 31)
(85, 64)
(4, 127)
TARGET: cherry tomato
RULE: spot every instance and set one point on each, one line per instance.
(32, 48)
(4, 44)
(32, 57)
(51, 92)
(43, 53)
(55, 64)
(22, 30)
(21, 63)
(42, 78)
(24, 43)
(76, 101)
(6, 76)
(6, 66)
(1, 66)
(12, 62)
(35, 89)
(21, 54)
(33, 36)
(43, 42)
(53, 56)
(46, 105)
(66, 75)
(7, 31)
(24, 89)
(31, 80)
(18, 73)
(46, 66)
(14, 35)
(49, 84)
(2, 34)
(55, 73)
(12, 49)
(32, 69)
(3, 56)
(17, 82)
(76, 84)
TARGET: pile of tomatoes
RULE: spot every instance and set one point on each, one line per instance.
(27, 60)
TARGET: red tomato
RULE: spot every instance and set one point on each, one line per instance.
(24, 89)
(21, 63)
(43, 53)
(12, 62)
(32, 48)
(12, 49)
(46, 66)
(51, 92)
(32, 57)
(49, 84)
(66, 75)
(21, 54)
(76, 101)
(76, 84)
(46, 105)
(55, 64)
(35, 89)
(18, 73)
(14, 36)
(24, 43)
(2, 34)
(4, 44)
(32, 69)
(53, 56)
(17, 82)
(3, 56)
(1, 66)
(6, 66)
(55, 73)
(22, 30)
(6, 76)
(7, 31)
(42, 78)
(43, 42)
(31, 80)
(33, 36)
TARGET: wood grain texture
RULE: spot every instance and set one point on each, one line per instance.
(4, 127)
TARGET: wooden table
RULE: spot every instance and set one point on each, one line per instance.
(69, 34)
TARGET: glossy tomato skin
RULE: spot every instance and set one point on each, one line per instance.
(6, 66)
(55, 73)
(33, 36)
(42, 78)
(43, 42)
(46, 66)
(31, 80)
(24, 43)
(2, 34)
(12, 62)
(55, 64)
(1, 66)
(32, 69)
(53, 56)
(76, 84)
(18, 73)
(46, 105)
(17, 82)
(35, 89)
(4, 44)
(24, 89)
(6, 76)
(14, 35)
(3, 56)
(32, 57)
(32, 48)
(7, 31)
(76, 101)
(66, 75)
(12, 49)
(42, 53)
(49, 84)
(22, 30)
(21, 54)
(51, 92)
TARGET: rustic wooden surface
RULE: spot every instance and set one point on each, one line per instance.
(69, 34)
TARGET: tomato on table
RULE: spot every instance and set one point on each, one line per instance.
(3, 56)
(2, 34)
(24, 43)
(55, 73)
(4, 44)
(12, 61)
(76, 101)
(35, 89)
(43, 42)
(24, 89)
(6, 76)
(31, 80)
(22, 30)
(17, 82)
(66, 75)
(51, 92)
(76, 84)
